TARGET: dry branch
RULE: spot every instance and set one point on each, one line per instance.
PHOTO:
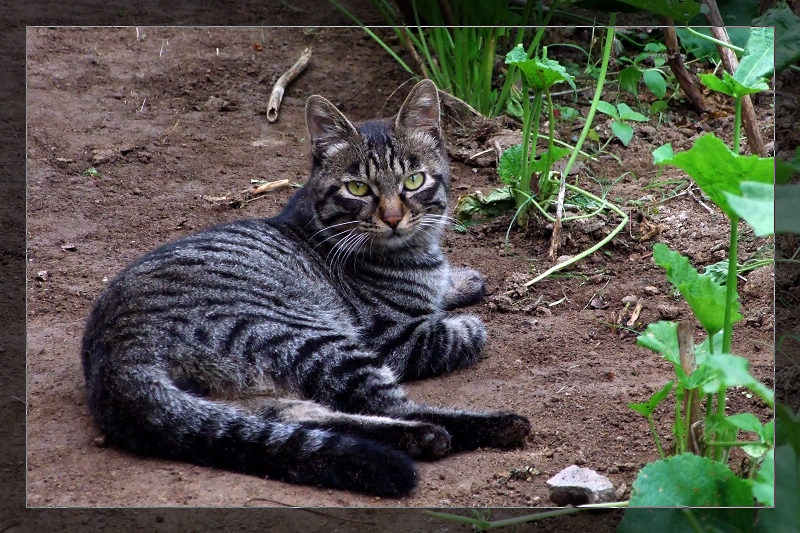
(694, 433)
(754, 140)
(675, 62)
(285, 79)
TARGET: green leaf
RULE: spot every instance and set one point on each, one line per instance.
(704, 296)
(538, 164)
(622, 131)
(539, 73)
(787, 34)
(629, 79)
(568, 114)
(626, 113)
(683, 520)
(786, 514)
(662, 154)
(662, 337)
(787, 215)
(681, 11)
(607, 108)
(758, 60)
(689, 480)
(510, 164)
(785, 170)
(764, 483)
(654, 80)
(756, 205)
(657, 107)
(732, 371)
(716, 84)
(497, 202)
(716, 169)
(647, 408)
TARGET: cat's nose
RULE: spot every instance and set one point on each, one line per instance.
(391, 211)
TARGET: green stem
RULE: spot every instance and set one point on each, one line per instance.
(713, 40)
(549, 160)
(655, 435)
(374, 37)
(594, 248)
(728, 444)
(597, 93)
(483, 524)
(693, 523)
(730, 284)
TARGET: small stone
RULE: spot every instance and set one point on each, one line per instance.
(563, 258)
(629, 299)
(101, 441)
(651, 290)
(597, 303)
(42, 275)
(544, 311)
(576, 486)
(69, 247)
(668, 312)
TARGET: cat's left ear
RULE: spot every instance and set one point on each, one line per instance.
(420, 111)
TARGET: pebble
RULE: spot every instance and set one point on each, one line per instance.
(668, 312)
(575, 485)
(42, 275)
(651, 290)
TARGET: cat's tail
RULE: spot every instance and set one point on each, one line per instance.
(141, 409)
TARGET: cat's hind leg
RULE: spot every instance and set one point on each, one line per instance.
(419, 439)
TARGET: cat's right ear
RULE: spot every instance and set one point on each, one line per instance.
(328, 129)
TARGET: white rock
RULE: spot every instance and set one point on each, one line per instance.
(575, 485)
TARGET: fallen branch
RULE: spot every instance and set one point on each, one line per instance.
(280, 86)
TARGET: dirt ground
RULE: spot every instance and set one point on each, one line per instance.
(175, 118)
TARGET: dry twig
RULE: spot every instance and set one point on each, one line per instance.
(285, 79)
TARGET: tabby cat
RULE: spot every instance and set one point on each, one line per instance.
(275, 346)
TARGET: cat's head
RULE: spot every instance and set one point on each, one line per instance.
(380, 182)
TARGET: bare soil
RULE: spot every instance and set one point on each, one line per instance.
(176, 118)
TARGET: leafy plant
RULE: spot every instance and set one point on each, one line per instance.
(620, 114)
(654, 77)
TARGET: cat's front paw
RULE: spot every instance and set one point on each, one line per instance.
(466, 287)
(426, 442)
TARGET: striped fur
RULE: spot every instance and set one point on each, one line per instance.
(275, 347)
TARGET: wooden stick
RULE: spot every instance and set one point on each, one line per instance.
(692, 397)
(675, 62)
(280, 85)
(754, 140)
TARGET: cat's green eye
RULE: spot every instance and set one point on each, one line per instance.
(357, 188)
(414, 181)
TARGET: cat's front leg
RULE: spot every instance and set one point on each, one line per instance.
(465, 287)
(435, 344)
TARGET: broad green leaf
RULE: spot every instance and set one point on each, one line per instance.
(758, 60)
(764, 483)
(689, 480)
(626, 113)
(663, 153)
(662, 337)
(786, 514)
(681, 11)
(629, 79)
(568, 114)
(732, 371)
(655, 82)
(716, 84)
(607, 108)
(704, 296)
(657, 107)
(649, 406)
(716, 169)
(510, 164)
(539, 73)
(702, 349)
(787, 34)
(785, 170)
(756, 206)
(497, 202)
(787, 215)
(622, 131)
(683, 520)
